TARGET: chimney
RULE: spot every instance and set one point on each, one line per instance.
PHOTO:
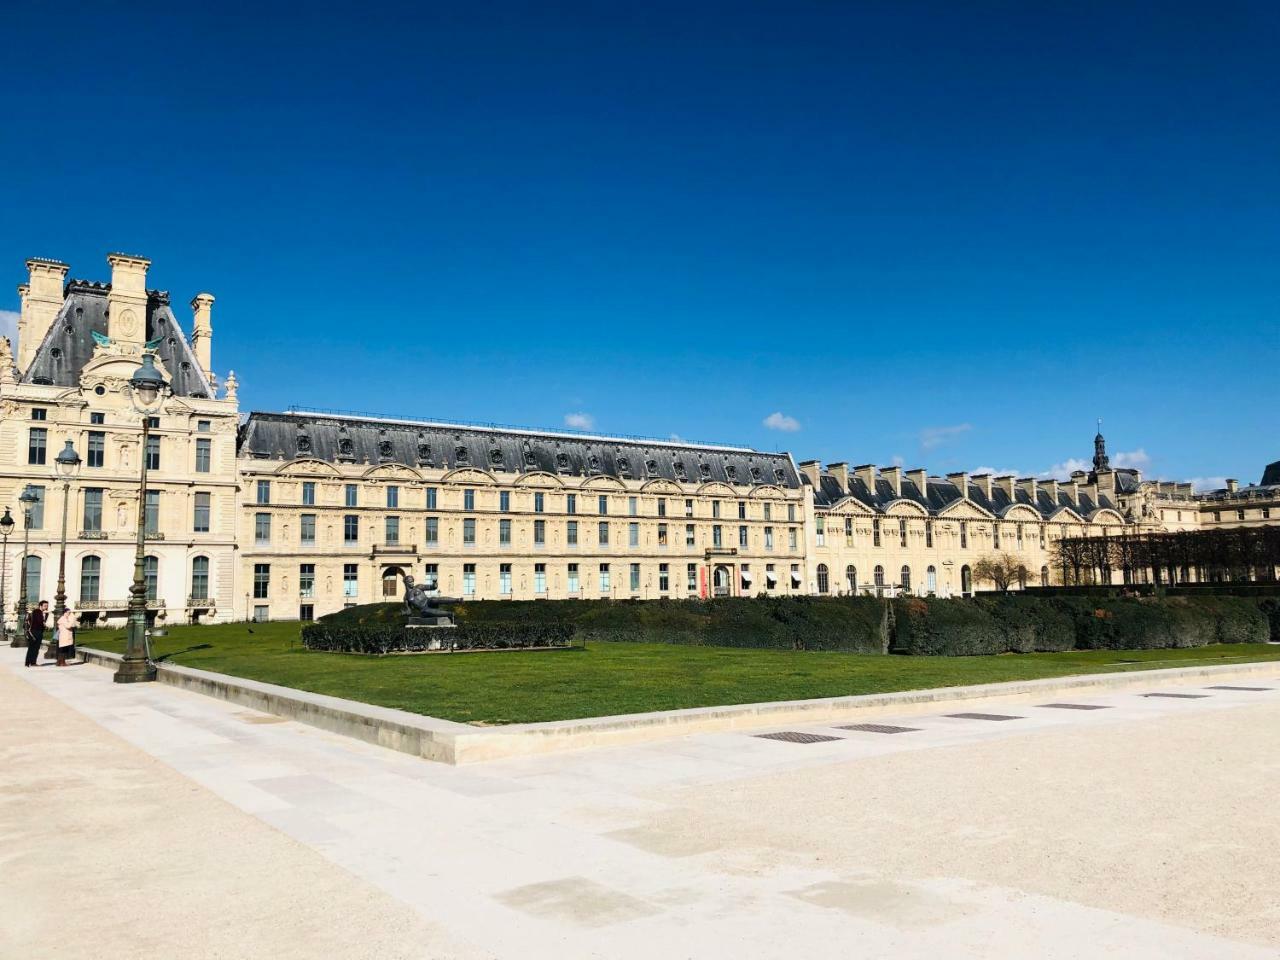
(894, 476)
(841, 472)
(42, 298)
(1073, 491)
(127, 301)
(983, 480)
(1053, 491)
(961, 483)
(813, 470)
(921, 479)
(1007, 485)
(867, 474)
(202, 332)
(1032, 487)
(1232, 485)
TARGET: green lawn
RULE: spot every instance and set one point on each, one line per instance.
(612, 678)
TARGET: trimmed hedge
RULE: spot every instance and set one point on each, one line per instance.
(376, 637)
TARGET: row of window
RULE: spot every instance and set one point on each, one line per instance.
(1263, 514)
(878, 537)
(91, 578)
(351, 498)
(878, 581)
(96, 448)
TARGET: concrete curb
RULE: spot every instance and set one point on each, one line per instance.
(457, 743)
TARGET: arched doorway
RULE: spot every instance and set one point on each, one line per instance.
(824, 579)
(391, 581)
(720, 581)
(966, 581)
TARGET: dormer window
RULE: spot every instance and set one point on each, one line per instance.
(495, 457)
(704, 470)
(780, 475)
(679, 468)
(731, 472)
(624, 465)
(756, 475)
(594, 464)
(652, 467)
(529, 459)
(304, 443)
(460, 454)
(345, 451)
(424, 450)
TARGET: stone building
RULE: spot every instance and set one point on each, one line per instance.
(79, 343)
(289, 515)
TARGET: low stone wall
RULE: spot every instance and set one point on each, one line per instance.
(458, 743)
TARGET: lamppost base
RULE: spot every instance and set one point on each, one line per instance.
(17, 640)
(135, 671)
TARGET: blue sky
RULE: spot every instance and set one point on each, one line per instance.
(948, 235)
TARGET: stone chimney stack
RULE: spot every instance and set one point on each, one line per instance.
(961, 483)
(921, 479)
(42, 297)
(867, 474)
(1073, 491)
(983, 480)
(813, 470)
(894, 476)
(127, 301)
(1007, 485)
(202, 332)
(841, 472)
(1232, 485)
(1053, 491)
(1032, 486)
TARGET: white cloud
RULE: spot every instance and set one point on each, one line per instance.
(9, 326)
(1200, 484)
(997, 473)
(933, 437)
(579, 421)
(1066, 468)
(780, 421)
(1135, 459)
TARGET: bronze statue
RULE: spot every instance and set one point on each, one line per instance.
(417, 600)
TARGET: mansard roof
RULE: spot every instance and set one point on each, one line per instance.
(341, 438)
(940, 493)
(1271, 475)
(68, 345)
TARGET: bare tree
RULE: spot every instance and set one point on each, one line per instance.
(1002, 570)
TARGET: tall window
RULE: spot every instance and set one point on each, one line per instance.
(791, 513)
(539, 533)
(964, 535)
(37, 445)
(902, 533)
(96, 453)
(393, 529)
(603, 502)
(851, 579)
(824, 579)
(570, 503)
(635, 577)
(604, 533)
(37, 512)
(306, 580)
(905, 576)
(200, 577)
(820, 530)
(931, 580)
(504, 532)
(431, 498)
(662, 506)
(33, 576)
(691, 578)
(690, 536)
(875, 532)
(768, 511)
(350, 580)
(393, 498)
(433, 530)
(92, 509)
(633, 534)
(664, 578)
(633, 506)
(966, 580)
(928, 534)
(200, 511)
(261, 580)
(1018, 535)
(539, 578)
(152, 516)
(153, 452)
(995, 535)
(848, 531)
(469, 531)
(573, 584)
(504, 579)
(1044, 576)
(504, 501)
(264, 491)
(604, 578)
(204, 453)
(262, 529)
(90, 574)
(352, 494)
(350, 529)
(571, 533)
(539, 502)
(662, 534)
(768, 538)
(791, 538)
(742, 536)
(742, 510)
(468, 579)
(688, 508)
(468, 499)
(879, 575)
(151, 576)
(717, 536)
(715, 509)
(307, 528)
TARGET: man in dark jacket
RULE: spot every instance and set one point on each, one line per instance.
(35, 631)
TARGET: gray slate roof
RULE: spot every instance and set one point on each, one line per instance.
(941, 493)
(1271, 475)
(68, 345)
(285, 436)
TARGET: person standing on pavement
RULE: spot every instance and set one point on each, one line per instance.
(66, 636)
(35, 631)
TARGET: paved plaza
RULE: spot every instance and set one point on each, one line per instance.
(148, 822)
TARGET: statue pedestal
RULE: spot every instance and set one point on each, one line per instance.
(434, 620)
(420, 630)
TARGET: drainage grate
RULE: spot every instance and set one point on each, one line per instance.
(877, 728)
(982, 716)
(1076, 706)
(1178, 696)
(792, 736)
(1224, 686)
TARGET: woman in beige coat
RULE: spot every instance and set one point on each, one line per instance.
(66, 636)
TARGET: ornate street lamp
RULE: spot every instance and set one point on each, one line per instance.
(6, 528)
(146, 392)
(28, 499)
(66, 468)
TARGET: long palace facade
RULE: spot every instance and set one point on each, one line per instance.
(294, 515)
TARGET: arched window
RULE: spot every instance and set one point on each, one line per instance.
(1022, 577)
(90, 576)
(824, 580)
(200, 578)
(33, 581)
(151, 575)
(391, 581)
(879, 573)
(906, 579)
(1044, 576)
(931, 580)
(966, 580)
(851, 579)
